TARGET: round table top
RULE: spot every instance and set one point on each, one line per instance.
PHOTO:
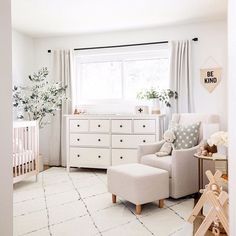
(212, 158)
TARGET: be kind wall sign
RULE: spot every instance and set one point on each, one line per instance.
(210, 78)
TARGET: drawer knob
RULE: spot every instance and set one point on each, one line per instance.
(121, 140)
(144, 141)
(144, 126)
(121, 126)
(99, 156)
(121, 157)
(78, 155)
(77, 139)
(78, 125)
(99, 140)
(99, 126)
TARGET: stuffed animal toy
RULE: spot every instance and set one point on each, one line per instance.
(169, 138)
(206, 150)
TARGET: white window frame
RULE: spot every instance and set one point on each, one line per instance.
(148, 52)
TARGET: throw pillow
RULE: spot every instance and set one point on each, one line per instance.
(186, 136)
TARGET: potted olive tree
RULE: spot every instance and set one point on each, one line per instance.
(39, 100)
(158, 96)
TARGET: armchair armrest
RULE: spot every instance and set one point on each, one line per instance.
(184, 172)
(149, 148)
(180, 152)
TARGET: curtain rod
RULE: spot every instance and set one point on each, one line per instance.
(123, 45)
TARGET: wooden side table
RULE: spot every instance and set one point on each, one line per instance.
(200, 167)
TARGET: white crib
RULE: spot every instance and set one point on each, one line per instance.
(25, 150)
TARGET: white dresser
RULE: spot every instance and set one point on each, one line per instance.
(99, 141)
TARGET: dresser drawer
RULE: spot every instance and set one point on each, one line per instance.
(79, 126)
(99, 140)
(131, 141)
(89, 157)
(144, 126)
(121, 126)
(124, 156)
(100, 126)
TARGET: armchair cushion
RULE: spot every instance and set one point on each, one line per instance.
(148, 148)
(163, 163)
(186, 135)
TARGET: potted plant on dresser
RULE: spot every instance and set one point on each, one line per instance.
(157, 96)
(39, 100)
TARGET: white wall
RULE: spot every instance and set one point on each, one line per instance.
(23, 57)
(6, 202)
(212, 44)
(232, 114)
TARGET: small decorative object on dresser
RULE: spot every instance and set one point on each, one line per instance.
(99, 141)
(141, 110)
(156, 96)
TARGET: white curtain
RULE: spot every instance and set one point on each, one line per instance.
(181, 76)
(62, 72)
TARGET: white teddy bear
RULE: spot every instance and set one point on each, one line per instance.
(169, 138)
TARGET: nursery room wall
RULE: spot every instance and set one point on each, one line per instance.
(209, 51)
(23, 60)
(23, 57)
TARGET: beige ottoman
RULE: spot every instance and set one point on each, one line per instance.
(138, 184)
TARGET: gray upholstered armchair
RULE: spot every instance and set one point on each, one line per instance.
(181, 165)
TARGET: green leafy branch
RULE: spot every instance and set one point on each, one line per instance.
(40, 99)
(163, 95)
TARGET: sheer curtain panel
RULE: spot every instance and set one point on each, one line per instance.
(62, 72)
(181, 76)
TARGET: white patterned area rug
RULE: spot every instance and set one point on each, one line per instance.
(78, 204)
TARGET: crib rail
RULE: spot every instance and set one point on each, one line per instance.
(25, 149)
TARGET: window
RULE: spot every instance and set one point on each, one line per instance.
(140, 74)
(118, 75)
(101, 80)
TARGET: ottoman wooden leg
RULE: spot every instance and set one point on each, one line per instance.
(113, 198)
(138, 209)
(161, 203)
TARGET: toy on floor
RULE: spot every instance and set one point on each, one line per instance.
(169, 138)
(218, 199)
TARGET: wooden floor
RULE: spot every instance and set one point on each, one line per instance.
(46, 167)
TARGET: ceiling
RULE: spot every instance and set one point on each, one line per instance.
(43, 18)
